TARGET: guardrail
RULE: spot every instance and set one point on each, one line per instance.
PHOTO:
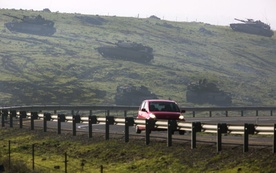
(170, 125)
(190, 111)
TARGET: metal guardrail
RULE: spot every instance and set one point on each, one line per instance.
(108, 108)
(169, 125)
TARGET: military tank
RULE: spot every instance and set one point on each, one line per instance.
(128, 51)
(31, 25)
(204, 92)
(252, 27)
(132, 95)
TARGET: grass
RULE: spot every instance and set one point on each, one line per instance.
(114, 155)
(56, 69)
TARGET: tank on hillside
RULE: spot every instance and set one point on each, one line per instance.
(132, 95)
(204, 92)
(31, 25)
(128, 51)
(252, 27)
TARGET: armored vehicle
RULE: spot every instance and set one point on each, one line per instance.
(31, 25)
(132, 95)
(129, 51)
(252, 27)
(205, 92)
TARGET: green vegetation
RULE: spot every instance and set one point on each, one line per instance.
(67, 69)
(88, 155)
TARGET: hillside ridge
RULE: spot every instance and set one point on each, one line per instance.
(66, 68)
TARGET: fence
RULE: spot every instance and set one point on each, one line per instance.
(31, 113)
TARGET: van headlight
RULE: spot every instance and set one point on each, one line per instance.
(152, 116)
(181, 117)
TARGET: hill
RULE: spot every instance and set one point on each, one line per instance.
(66, 68)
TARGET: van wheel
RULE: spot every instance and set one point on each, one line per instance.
(181, 132)
(137, 130)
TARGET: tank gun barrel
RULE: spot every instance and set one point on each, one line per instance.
(13, 16)
(240, 20)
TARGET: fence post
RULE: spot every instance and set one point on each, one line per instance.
(149, 126)
(171, 128)
(61, 118)
(33, 156)
(248, 129)
(196, 127)
(34, 115)
(129, 121)
(274, 139)
(65, 162)
(9, 155)
(23, 114)
(46, 117)
(4, 114)
(221, 128)
(92, 120)
(76, 119)
(12, 114)
(109, 120)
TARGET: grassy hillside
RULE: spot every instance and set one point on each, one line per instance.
(86, 155)
(66, 68)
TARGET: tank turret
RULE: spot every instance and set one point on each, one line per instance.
(132, 95)
(31, 25)
(204, 92)
(129, 51)
(251, 26)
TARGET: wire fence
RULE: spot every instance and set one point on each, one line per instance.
(36, 157)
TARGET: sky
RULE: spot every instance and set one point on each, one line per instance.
(216, 12)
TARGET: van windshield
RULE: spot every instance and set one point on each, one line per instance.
(164, 106)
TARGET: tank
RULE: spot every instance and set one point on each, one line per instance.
(31, 25)
(252, 27)
(204, 92)
(128, 51)
(132, 95)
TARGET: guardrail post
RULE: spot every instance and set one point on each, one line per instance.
(91, 120)
(125, 113)
(171, 128)
(221, 128)
(129, 121)
(23, 114)
(46, 117)
(34, 115)
(107, 113)
(109, 120)
(226, 113)
(257, 113)
(248, 129)
(12, 114)
(271, 112)
(61, 118)
(76, 119)
(193, 114)
(274, 139)
(196, 127)
(210, 113)
(242, 113)
(5, 113)
(149, 126)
